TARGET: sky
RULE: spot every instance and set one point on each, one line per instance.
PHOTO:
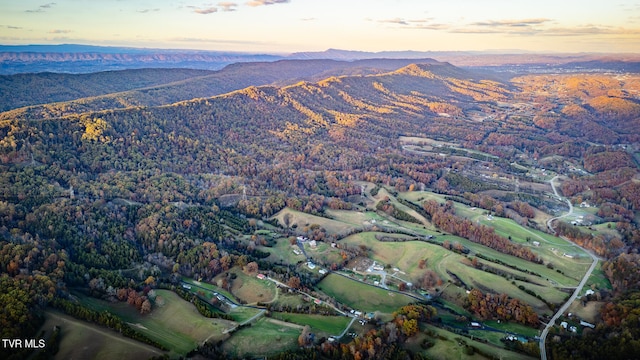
(286, 26)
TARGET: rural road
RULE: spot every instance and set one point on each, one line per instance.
(563, 308)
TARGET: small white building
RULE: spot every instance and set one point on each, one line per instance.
(586, 324)
(536, 243)
(311, 265)
(564, 324)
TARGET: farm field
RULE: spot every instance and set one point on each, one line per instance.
(328, 325)
(177, 324)
(361, 296)
(250, 290)
(83, 340)
(300, 220)
(282, 252)
(450, 346)
(262, 338)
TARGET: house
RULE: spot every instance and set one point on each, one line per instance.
(311, 265)
(564, 324)
(317, 301)
(589, 292)
(378, 267)
(586, 324)
(261, 276)
(313, 244)
(322, 271)
(188, 287)
(573, 329)
(376, 283)
(475, 325)
(536, 243)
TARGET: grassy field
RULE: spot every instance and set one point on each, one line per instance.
(210, 287)
(262, 338)
(241, 313)
(447, 346)
(362, 297)
(301, 220)
(403, 255)
(329, 325)
(552, 249)
(406, 255)
(83, 340)
(177, 324)
(250, 289)
(323, 253)
(282, 252)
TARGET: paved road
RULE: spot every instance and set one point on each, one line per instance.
(563, 308)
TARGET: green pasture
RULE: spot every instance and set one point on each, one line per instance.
(329, 325)
(212, 288)
(447, 346)
(177, 324)
(250, 289)
(512, 327)
(597, 278)
(262, 338)
(97, 342)
(361, 296)
(282, 251)
(241, 313)
(403, 255)
(323, 253)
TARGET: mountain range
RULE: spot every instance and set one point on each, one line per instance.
(72, 58)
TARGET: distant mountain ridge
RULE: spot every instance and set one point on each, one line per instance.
(73, 58)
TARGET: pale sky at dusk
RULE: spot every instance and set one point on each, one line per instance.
(315, 25)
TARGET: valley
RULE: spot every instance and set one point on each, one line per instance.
(364, 209)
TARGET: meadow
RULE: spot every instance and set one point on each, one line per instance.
(84, 340)
(262, 338)
(362, 297)
(177, 324)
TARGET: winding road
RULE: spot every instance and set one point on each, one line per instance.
(563, 308)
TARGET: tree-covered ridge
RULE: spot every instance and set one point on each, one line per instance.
(41, 96)
(43, 88)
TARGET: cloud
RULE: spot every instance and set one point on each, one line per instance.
(41, 8)
(590, 30)
(13, 27)
(266, 2)
(309, 19)
(511, 23)
(536, 27)
(59, 31)
(397, 21)
(228, 6)
(419, 24)
(144, 11)
(205, 11)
